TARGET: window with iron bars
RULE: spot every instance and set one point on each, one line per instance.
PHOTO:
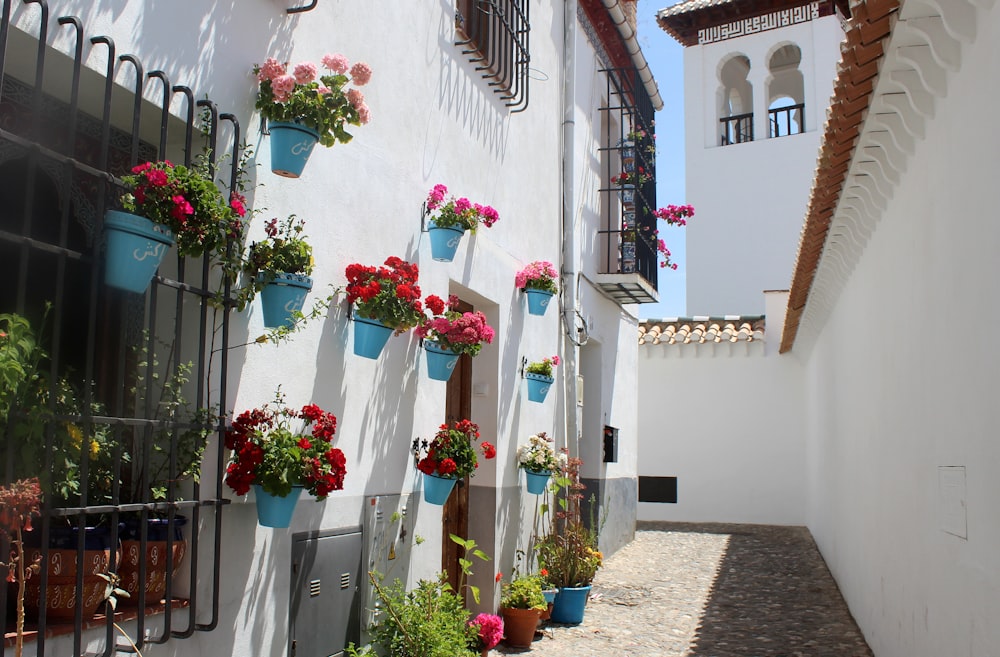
(493, 34)
(627, 237)
(99, 417)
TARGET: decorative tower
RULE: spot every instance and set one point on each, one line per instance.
(758, 75)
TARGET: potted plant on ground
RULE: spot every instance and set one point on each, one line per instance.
(168, 204)
(539, 377)
(569, 553)
(303, 107)
(538, 281)
(521, 603)
(539, 460)
(280, 463)
(450, 218)
(386, 300)
(449, 457)
(279, 267)
(448, 334)
(47, 430)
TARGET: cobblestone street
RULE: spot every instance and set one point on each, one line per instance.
(710, 590)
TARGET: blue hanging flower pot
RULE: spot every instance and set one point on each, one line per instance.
(538, 386)
(135, 248)
(538, 301)
(370, 336)
(437, 489)
(291, 146)
(536, 481)
(444, 241)
(274, 511)
(440, 362)
(283, 295)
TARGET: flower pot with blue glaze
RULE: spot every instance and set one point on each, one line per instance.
(444, 241)
(538, 386)
(437, 489)
(283, 295)
(538, 301)
(291, 146)
(440, 362)
(536, 481)
(370, 337)
(135, 247)
(274, 511)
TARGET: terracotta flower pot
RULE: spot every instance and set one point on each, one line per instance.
(519, 626)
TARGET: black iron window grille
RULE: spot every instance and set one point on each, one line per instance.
(105, 409)
(494, 35)
(737, 129)
(788, 120)
(627, 237)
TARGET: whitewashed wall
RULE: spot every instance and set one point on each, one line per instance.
(727, 421)
(750, 198)
(434, 121)
(902, 381)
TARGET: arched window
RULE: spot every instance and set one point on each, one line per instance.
(785, 92)
(736, 106)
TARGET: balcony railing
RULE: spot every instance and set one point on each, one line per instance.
(737, 129)
(790, 120)
(627, 255)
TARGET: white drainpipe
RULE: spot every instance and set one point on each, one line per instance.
(632, 46)
(569, 272)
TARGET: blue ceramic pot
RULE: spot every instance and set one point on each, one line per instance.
(536, 481)
(291, 146)
(274, 511)
(538, 301)
(283, 295)
(444, 241)
(135, 248)
(538, 386)
(440, 362)
(437, 489)
(370, 336)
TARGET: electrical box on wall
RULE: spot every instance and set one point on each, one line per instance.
(610, 444)
(324, 611)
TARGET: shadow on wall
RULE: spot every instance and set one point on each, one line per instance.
(772, 595)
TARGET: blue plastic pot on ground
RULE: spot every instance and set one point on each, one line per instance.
(444, 241)
(569, 605)
(291, 146)
(370, 337)
(538, 386)
(274, 511)
(437, 489)
(440, 362)
(135, 246)
(538, 301)
(283, 295)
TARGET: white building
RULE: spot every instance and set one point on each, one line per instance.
(536, 135)
(861, 429)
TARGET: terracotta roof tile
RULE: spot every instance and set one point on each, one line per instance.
(862, 54)
(701, 330)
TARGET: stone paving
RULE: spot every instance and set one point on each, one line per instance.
(710, 590)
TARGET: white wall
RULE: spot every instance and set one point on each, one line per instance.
(434, 121)
(902, 380)
(727, 421)
(750, 198)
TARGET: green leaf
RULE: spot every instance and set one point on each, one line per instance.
(475, 593)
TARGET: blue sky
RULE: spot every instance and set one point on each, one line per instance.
(665, 56)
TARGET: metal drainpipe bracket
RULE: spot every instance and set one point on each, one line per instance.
(524, 363)
(423, 217)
